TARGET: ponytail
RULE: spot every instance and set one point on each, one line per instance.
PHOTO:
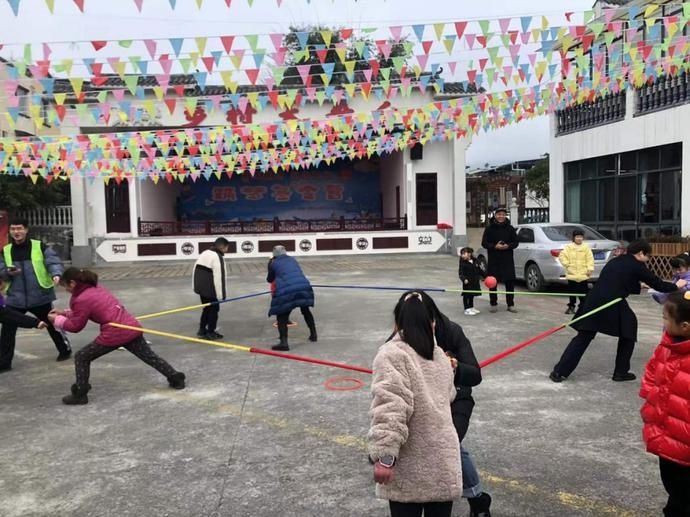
(80, 276)
(414, 320)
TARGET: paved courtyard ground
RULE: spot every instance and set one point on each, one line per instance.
(258, 436)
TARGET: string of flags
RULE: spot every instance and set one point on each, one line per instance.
(538, 68)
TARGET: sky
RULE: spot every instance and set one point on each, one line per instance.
(119, 19)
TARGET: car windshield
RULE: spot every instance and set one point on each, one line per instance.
(565, 233)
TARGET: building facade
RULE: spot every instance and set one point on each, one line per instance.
(393, 203)
(621, 164)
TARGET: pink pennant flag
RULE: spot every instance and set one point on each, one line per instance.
(532, 58)
(46, 51)
(367, 74)
(304, 71)
(422, 60)
(151, 47)
(311, 92)
(504, 23)
(113, 62)
(163, 81)
(609, 14)
(166, 63)
(119, 93)
(525, 37)
(451, 66)
(139, 4)
(396, 32)
(279, 57)
(277, 40)
(270, 83)
(470, 40)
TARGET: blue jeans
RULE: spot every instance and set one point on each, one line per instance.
(471, 486)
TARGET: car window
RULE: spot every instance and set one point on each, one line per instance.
(565, 233)
(526, 235)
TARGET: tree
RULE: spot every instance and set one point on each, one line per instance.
(320, 48)
(20, 193)
(537, 180)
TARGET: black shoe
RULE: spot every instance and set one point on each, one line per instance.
(63, 356)
(479, 506)
(78, 396)
(556, 377)
(282, 346)
(5, 368)
(202, 334)
(312, 337)
(570, 310)
(214, 335)
(622, 377)
(176, 380)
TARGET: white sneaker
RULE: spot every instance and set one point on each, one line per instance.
(469, 312)
(476, 311)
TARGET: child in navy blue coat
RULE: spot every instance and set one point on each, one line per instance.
(470, 273)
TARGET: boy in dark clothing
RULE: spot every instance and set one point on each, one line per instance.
(16, 318)
(470, 273)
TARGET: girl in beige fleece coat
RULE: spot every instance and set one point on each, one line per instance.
(412, 440)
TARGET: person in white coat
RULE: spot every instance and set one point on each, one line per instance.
(209, 284)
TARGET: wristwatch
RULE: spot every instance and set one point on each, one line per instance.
(387, 461)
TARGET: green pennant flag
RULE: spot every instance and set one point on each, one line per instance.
(185, 62)
(398, 63)
(131, 83)
(484, 26)
(125, 43)
(253, 40)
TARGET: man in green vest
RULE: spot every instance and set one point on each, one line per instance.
(31, 270)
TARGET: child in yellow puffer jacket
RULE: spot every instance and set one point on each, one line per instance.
(578, 261)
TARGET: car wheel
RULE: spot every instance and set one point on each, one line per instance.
(533, 278)
(481, 262)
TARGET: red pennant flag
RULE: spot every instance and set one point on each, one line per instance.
(208, 62)
(568, 15)
(345, 33)
(227, 42)
(60, 109)
(98, 45)
(98, 80)
(426, 45)
(460, 28)
(80, 4)
(253, 74)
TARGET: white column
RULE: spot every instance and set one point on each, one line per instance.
(80, 224)
(410, 195)
(459, 148)
(134, 207)
(556, 176)
(685, 188)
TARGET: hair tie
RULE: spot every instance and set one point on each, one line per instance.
(415, 294)
(686, 295)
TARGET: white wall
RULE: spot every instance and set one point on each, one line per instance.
(651, 130)
(392, 175)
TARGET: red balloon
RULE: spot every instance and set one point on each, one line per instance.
(490, 282)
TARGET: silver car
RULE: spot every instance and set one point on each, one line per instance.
(536, 258)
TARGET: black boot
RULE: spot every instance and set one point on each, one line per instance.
(63, 356)
(78, 396)
(283, 345)
(312, 333)
(479, 506)
(176, 380)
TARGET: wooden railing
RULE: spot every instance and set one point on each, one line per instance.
(665, 92)
(605, 110)
(171, 228)
(534, 215)
(48, 217)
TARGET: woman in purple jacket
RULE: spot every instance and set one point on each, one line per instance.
(91, 302)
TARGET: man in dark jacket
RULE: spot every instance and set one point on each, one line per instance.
(620, 278)
(500, 239)
(452, 340)
(32, 270)
(292, 290)
(209, 284)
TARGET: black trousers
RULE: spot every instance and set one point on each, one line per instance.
(577, 347)
(468, 301)
(676, 480)
(284, 318)
(443, 509)
(8, 334)
(577, 288)
(510, 298)
(209, 315)
(138, 347)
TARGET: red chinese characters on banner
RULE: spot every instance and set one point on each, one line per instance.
(253, 193)
(196, 118)
(307, 191)
(281, 193)
(223, 194)
(235, 116)
(334, 192)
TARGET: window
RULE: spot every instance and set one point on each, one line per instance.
(565, 233)
(526, 235)
(23, 96)
(628, 194)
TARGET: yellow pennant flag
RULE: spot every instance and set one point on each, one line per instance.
(438, 29)
(327, 36)
(77, 84)
(51, 6)
(650, 10)
(341, 52)
(201, 44)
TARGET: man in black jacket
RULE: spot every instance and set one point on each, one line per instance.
(500, 239)
(620, 278)
(452, 340)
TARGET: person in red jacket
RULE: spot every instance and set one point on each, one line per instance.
(666, 411)
(90, 301)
